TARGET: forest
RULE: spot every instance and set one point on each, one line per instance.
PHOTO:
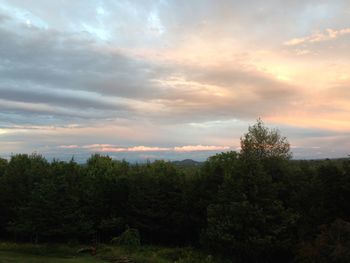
(255, 205)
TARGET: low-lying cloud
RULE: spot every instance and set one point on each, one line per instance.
(109, 148)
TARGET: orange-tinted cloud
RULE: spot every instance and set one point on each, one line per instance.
(72, 146)
(328, 34)
(108, 148)
(193, 148)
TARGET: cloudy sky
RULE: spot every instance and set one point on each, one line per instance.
(172, 79)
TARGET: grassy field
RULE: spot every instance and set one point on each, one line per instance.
(29, 253)
(17, 257)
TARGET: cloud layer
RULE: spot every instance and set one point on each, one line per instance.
(157, 73)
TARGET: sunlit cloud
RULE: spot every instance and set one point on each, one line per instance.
(133, 149)
(109, 148)
(328, 34)
(72, 146)
(193, 148)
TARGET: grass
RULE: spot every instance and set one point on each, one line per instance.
(62, 253)
(18, 257)
(154, 254)
(30, 253)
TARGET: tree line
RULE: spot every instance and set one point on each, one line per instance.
(256, 205)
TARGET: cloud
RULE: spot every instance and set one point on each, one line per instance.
(340, 92)
(328, 34)
(72, 146)
(147, 76)
(133, 149)
(208, 93)
(76, 77)
(71, 77)
(108, 148)
(3, 17)
(194, 148)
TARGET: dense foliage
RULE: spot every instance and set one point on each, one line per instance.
(252, 206)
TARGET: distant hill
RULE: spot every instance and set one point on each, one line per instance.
(187, 162)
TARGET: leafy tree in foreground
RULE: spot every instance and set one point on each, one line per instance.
(248, 221)
(262, 142)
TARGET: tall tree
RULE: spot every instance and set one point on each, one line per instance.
(248, 220)
(262, 142)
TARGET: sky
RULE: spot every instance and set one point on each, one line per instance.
(157, 79)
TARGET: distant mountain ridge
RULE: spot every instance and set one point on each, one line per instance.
(187, 162)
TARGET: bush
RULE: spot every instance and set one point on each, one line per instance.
(130, 237)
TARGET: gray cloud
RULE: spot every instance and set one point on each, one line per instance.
(71, 70)
(58, 70)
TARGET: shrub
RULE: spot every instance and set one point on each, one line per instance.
(130, 237)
